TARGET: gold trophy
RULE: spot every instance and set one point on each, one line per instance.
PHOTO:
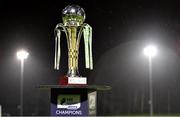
(73, 26)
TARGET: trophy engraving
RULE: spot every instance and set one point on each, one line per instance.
(73, 17)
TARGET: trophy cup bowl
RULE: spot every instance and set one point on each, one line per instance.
(73, 15)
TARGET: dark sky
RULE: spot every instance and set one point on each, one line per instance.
(121, 27)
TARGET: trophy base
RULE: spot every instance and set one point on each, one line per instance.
(65, 80)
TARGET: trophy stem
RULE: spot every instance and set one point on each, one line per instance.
(73, 52)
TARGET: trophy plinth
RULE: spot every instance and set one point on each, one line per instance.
(73, 100)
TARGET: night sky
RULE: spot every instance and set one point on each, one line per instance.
(120, 31)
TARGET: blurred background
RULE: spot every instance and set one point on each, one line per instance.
(121, 29)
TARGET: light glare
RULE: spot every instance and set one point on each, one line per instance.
(22, 54)
(150, 51)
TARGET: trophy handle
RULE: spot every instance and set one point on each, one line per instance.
(90, 48)
(56, 64)
(59, 27)
(80, 34)
(87, 32)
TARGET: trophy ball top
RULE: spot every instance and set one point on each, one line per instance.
(73, 15)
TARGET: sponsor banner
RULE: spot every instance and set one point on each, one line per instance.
(69, 105)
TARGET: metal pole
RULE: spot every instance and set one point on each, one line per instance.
(169, 106)
(150, 87)
(0, 111)
(21, 87)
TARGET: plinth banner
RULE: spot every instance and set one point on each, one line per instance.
(65, 104)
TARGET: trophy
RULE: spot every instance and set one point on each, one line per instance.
(73, 97)
(73, 17)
